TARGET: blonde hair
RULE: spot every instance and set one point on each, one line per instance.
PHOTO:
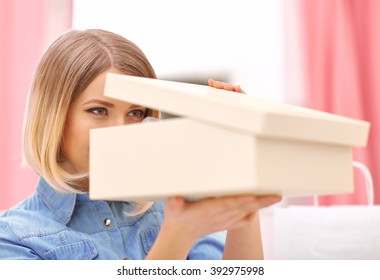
(68, 66)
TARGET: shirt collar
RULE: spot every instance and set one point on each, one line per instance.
(60, 204)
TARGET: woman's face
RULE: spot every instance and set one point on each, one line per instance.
(93, 110)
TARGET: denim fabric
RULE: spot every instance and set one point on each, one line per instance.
(54, 225)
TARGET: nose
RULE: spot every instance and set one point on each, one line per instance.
(119, 120)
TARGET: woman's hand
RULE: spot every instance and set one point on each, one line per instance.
(185, 222)
(199, 218)
(226, 86)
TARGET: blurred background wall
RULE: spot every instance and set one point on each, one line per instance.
(341, 43)
(319, 53)
(239, 40)
(26, 29)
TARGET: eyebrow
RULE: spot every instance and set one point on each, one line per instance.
(105, 103)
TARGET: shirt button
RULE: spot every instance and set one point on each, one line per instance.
(107, 222)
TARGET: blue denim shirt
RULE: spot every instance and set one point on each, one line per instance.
(55, 225)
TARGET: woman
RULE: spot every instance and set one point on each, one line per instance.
(59, 221)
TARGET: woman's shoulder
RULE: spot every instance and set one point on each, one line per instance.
(30, 230)
(29, 218)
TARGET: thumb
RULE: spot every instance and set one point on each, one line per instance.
(175, 205)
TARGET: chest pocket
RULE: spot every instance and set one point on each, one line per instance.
(148, 238)
(81, 250)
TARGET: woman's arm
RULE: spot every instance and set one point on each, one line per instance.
(173, 242)
(245, 243)
(186, 222)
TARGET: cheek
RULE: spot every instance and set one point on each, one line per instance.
(76, 145)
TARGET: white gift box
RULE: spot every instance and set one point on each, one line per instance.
(224, 143)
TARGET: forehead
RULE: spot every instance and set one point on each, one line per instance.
(95, 90)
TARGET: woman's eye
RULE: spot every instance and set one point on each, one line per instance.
(136, 113)
(98, 111)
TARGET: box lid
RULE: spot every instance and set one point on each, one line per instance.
(243, 112)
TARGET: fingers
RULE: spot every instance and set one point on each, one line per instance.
(249, 202)
(237, 211)
(249, 205)
(233, 208)
(239, 89)
(241, 206)
(265, 201)
(214, 214)
(225, 86)
(175, 205)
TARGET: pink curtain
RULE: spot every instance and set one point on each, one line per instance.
(341, 41)
(25, 30)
